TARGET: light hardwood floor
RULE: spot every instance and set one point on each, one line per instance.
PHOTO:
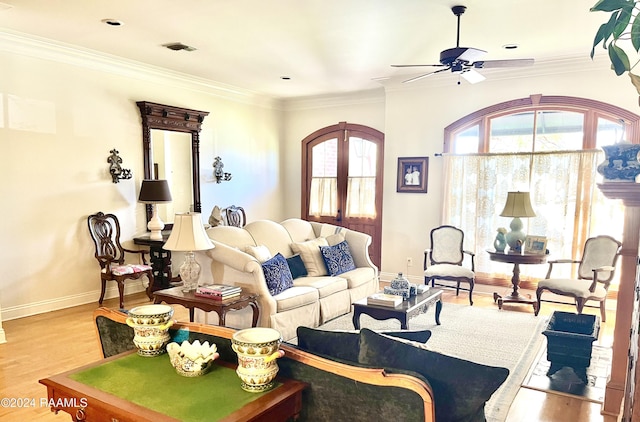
(43, 345)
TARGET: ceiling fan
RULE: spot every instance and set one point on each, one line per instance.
(464, 59)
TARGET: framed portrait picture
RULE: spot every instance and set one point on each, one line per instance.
(412, 174)
(535, 245)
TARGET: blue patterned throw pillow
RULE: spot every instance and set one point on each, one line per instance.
(277, 274)
(338, 258)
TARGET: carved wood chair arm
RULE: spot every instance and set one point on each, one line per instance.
(594, 283)
(425, 263)
(559, 261)
(142, 253)
(473, 259)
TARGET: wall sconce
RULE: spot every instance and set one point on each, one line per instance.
(218, 173)
(117, 172)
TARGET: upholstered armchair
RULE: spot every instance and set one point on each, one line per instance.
(595, 272)
(444, 260)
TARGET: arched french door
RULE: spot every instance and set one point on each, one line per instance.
(342, 169)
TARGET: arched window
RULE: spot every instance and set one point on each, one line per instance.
(548, 146)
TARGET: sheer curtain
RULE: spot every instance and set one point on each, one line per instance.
(563, 195)
(361, 197)
(323, 198)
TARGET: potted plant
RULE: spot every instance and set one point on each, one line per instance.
(621, 32)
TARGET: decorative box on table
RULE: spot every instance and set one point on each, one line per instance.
(570, 339)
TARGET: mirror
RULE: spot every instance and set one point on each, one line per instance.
(167, 154)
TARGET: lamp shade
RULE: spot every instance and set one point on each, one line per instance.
(154, 192)
(518, 205)
(188, 234)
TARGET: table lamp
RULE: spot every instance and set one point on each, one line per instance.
(518, 205)
(187, 236)
(154, 192)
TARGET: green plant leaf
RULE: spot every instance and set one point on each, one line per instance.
(611, 5)
(622, 22)
(618, 58)
(635, 80)
(635, 33)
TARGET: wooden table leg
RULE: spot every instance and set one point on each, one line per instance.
(438, 309)
(356, 318)
(256, 313)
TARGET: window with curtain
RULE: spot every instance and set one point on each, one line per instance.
(549, 148)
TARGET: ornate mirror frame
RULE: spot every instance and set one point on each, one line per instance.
(176, 119)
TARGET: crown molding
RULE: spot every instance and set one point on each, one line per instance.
(45, 49)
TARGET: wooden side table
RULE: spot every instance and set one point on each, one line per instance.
(516, 260)
(190, 301)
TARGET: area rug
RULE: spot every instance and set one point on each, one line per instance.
(487, 336)
(566, 383)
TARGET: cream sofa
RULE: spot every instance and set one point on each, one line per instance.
(313, 299)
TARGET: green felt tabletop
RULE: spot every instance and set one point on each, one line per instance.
(153, 383)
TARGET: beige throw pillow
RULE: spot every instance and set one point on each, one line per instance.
(310, 253)
(260, 252)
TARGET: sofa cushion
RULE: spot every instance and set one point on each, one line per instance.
(296, 297)
(325, 285)
(345, 345)
(337, 258)
(460, 388)
(359, 276)
(260, 252)
(277, 274)
(296, 266)
(309, 251)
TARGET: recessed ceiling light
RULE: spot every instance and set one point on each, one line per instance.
(113, 22)
(510, 46)
(177, 46)
(285, 78)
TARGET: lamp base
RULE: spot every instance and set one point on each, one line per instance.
(189, 272)
(155, 225)
(516, 237)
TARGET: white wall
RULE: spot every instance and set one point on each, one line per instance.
(415, 116)
(61, 112)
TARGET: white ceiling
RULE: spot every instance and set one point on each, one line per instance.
(324, 46)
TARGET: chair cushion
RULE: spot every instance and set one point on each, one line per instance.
(309, 251)
(296, 265)
(128, 269)
(337, 258)
(460, 387)
(277, 274)
(448, 270)
(569, 287)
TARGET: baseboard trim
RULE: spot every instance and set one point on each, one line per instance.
(34, 308)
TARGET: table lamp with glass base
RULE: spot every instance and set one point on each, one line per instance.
(188, 235)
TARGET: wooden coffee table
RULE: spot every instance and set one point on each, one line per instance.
(409, 308)
(189, 300)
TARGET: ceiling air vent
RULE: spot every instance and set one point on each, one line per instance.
(176, 46)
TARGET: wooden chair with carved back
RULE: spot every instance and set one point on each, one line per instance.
(105, 233)
(234, 216)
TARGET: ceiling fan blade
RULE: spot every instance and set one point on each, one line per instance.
(487, 64)
(471, 55)
(416, 65)
(472, 76)
(425, 75)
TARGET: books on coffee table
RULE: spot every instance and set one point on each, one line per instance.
(218, 291)
(384, 299)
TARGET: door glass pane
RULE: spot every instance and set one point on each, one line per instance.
(559, 130)
(361, 184)
(323, 195)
